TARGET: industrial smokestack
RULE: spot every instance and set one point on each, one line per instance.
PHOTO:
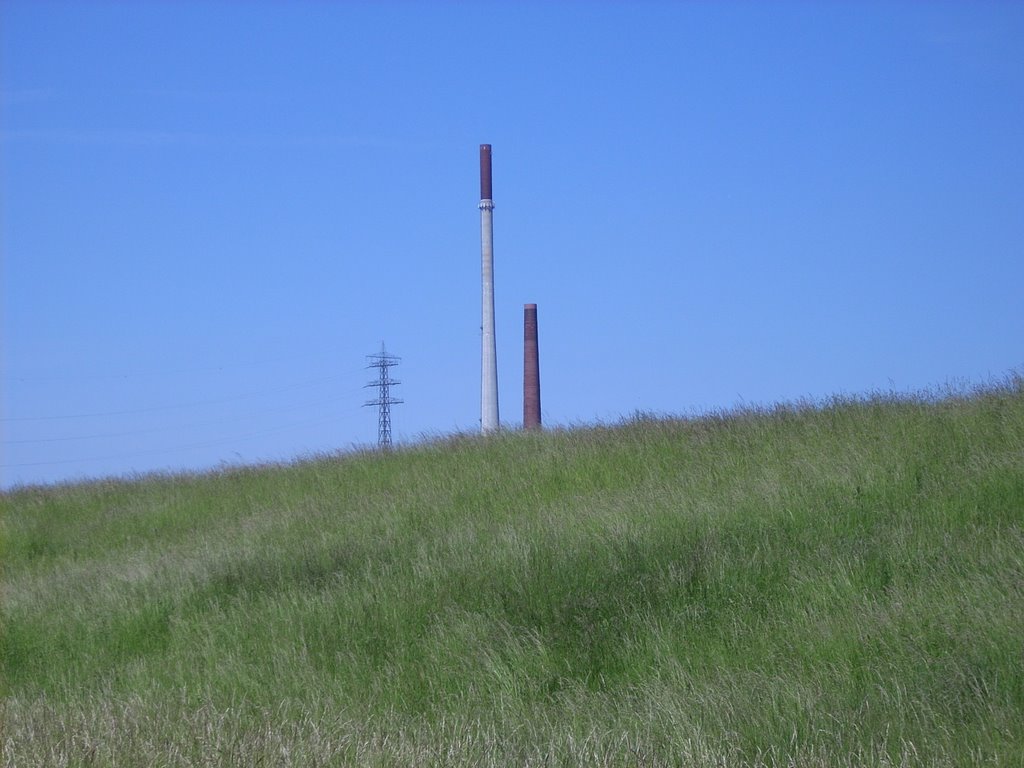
(531, 369)
(489, 355)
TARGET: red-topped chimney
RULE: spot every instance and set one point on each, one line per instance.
(485, 171)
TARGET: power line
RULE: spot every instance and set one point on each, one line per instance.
(175, 406)
(173, 449)
(177, 427)
(30, 377)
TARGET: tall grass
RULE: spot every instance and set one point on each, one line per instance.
(838, 583)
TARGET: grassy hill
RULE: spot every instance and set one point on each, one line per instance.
(827, 585)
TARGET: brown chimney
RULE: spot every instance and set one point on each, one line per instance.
(531, 369)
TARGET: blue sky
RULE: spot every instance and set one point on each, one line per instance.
(213, 211)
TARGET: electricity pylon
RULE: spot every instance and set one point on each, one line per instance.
(384, 401)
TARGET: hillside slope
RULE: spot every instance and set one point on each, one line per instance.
(833, 585)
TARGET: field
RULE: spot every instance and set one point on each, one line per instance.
(830, 584)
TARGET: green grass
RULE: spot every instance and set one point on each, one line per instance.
(808, 585)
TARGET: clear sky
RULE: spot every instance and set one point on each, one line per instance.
(213, 211)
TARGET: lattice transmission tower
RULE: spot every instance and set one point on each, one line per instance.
(383, 362)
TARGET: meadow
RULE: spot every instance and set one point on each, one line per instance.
(836, 583)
